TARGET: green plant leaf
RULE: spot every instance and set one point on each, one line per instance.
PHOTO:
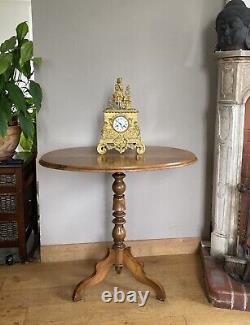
(36, 93)
(9, 44)
(26, 52)
(26, 69)
(17, 96)
(16, 57)
(2, 82)
(26, 143)
(5, 62)
(29, 102)
(9, 73)
(6, 104)
(22, 30)
(3, 124)
(5, 115)
(26, 124)
(37, 61)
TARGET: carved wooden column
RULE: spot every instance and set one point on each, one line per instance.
(233, 91)
(119, 232)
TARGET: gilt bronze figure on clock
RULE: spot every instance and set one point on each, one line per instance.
(120, 129)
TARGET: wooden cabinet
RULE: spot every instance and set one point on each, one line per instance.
(18, 203)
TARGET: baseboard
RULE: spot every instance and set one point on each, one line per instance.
(155, 247)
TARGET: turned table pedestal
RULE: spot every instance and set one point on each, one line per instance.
(88, 160)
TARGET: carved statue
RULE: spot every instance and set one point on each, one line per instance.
(127, 99)
(233, 27)
(121, 99)
(118, 96)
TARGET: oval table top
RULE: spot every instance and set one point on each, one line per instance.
(86, 159)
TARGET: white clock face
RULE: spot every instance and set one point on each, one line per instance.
(120, 124)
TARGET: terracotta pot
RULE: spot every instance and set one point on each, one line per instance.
(9, 143)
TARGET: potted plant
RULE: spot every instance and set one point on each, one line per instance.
(20, 95)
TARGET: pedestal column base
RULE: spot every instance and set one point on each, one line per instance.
(119, 255)
(130, 262)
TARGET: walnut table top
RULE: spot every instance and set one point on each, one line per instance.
(86, 159)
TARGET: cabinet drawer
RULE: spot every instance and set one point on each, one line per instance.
(8, 231)
(7, 179)
(7, 203)
(7, 182)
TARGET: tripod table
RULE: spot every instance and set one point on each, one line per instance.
(86, 159)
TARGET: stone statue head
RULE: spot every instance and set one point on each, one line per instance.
(233, 27)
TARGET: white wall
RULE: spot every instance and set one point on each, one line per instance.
(164, 50)
(13, 12)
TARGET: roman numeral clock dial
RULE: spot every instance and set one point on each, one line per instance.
(120, 124)
(120, 129)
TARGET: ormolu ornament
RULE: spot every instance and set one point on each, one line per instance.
(120, 129)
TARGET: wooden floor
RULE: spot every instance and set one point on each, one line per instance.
(40, 294)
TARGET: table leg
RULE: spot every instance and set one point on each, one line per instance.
(101, 270)
(119, 255)
(136, 268)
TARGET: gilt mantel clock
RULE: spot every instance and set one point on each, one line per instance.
(120, 129)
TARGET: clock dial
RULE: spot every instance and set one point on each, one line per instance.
(120, 124)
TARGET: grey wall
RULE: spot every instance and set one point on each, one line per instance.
(164, 50)
(12, 12)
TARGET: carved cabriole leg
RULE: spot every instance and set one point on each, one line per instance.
(136, 268)
(119, 208)
(101, 270)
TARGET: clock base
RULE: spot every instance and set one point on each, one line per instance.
(120, 141)
(121, 146)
